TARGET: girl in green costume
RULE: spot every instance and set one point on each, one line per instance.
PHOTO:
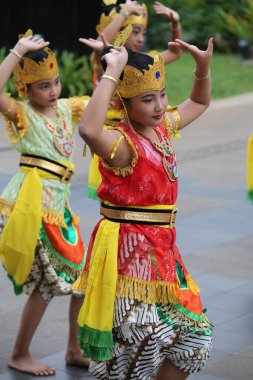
(40, 247)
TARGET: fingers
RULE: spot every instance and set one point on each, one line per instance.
(210, 46)
(89, 42)
(175, 44)
(44, 43)
(179, 44)
(104, 40)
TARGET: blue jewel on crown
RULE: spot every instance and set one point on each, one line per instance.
(157, 74)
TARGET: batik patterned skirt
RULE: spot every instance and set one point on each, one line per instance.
(145, 335)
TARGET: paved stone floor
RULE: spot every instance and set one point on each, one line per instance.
(215, 236)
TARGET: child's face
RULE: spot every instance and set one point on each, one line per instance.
(45, 92)
(136, 39)
(147, 109)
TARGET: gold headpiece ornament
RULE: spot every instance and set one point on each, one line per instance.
(123, 35)
(28, 71)
(135, 82)
(109, 2)
(131, 19)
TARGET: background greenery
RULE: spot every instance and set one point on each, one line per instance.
(226, 21)
(230, 76)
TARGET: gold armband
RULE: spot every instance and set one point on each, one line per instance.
(10, 106)
(176, 118)
(114, 149)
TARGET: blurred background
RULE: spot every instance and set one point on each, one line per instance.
(63, 22)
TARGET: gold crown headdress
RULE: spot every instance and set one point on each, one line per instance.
(28, 71)
(136, 82)
(131, 19)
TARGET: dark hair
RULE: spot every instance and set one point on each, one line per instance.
(36, 56)
(106, 9)
(140, 61)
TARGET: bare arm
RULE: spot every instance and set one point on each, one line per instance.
(174, 52)
(115, 25)
(102, 141)
(200, 95)
(24, 45)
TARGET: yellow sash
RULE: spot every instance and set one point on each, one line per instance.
(20, 234)
(19, 237)
(96, 315)
(250, 168)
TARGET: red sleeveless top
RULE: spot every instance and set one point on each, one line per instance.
(147, 253)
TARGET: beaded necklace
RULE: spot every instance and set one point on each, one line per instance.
(62, 139)
(164, 147)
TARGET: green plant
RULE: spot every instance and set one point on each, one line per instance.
(240, 24)
(200, 19)
(75, 74)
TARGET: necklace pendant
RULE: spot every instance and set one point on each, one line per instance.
(170, 169)
(167, 148)
(62, 139)
(64, 147)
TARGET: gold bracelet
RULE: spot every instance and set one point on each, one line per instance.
(109, 77)
(16, 53)
(10, 106)
(202, 78)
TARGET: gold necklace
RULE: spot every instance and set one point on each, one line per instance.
(165, 148)
(62, 139)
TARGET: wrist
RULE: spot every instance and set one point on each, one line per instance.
(125, 13)
(202, 74)
(110, 78)
(175, 25)
(16, 53)
(20, 49)
(113, 73)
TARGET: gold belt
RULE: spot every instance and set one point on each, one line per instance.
(63, 172)
(138, 215)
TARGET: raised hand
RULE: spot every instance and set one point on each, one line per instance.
(116, 59)
(31, 43)
(201, 57)
(97, 45)
(133, 7)
(161, 9)
(92, 43)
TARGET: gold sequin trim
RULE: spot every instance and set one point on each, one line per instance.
(78, 105)
(48, 215)
(16, 132)
(128, 169)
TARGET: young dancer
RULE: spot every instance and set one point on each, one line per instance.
(142, 316)
(40, 247)
(115, 17)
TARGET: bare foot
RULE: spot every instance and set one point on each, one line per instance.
(76, 358)
(29, 365)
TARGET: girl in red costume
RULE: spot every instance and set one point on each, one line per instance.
(142, 316)
(115, 17)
